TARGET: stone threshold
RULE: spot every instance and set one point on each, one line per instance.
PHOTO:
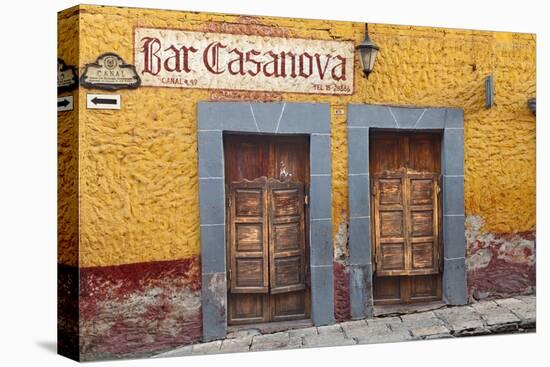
(508, 315)
(397, 310)
(267, 327)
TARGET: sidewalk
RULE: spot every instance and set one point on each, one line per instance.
(517, 314)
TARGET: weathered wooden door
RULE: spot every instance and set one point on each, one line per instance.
(267, 180)
(406, 212)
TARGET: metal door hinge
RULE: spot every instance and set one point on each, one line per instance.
(229, 202)
(306, 200)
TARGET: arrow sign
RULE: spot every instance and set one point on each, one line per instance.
(103, 101)
(97, 101)
(64, 103)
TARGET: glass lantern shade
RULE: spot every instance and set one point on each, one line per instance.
(367, 54)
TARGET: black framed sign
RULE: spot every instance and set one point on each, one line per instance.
(110, 72)
(66, 76)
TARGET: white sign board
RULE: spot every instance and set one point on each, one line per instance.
(64, 103)
(186, 59)
(103, 101)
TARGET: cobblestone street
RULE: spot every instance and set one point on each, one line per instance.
(517, 314)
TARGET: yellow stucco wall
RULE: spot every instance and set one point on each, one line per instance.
(138, 166)
(67, 147)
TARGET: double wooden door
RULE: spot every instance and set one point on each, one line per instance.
(267, 182)
(406, 216)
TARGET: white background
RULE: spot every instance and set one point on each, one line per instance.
(28, 180)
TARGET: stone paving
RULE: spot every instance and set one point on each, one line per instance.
(517, 314)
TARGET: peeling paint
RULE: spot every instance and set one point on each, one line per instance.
(342, 307)
(498, 264)
(135, 310)
(479, 259)
(341, 241)
(217, 285)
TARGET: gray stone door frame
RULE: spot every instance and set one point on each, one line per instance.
(450, 121)
(214, 118)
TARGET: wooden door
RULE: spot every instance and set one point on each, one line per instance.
(267, 181)
(406, 222)
(406, 216)
(286, 236)
(248, 237)
(390, 223)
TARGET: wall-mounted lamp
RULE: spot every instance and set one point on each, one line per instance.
(367, 52)
(532, 103)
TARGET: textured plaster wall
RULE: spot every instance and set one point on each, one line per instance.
(67, 210)
(138, 192)
(133, 310)
(67, 147)
(139, 196)
(499, 264)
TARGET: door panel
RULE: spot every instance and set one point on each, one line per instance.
(391, 190)
(289, 306)
(425, 152)
(287, 236)
(249, 202)
(387, 289)
(424, 230)
(406, 289)
(385, 153)
(247, 307)
(422, 255)
(282, 218)
(247, 159)
(406, 210)
(287, 154)
(390, 223)
(425, 288)
(248, 237)
(392, 258)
